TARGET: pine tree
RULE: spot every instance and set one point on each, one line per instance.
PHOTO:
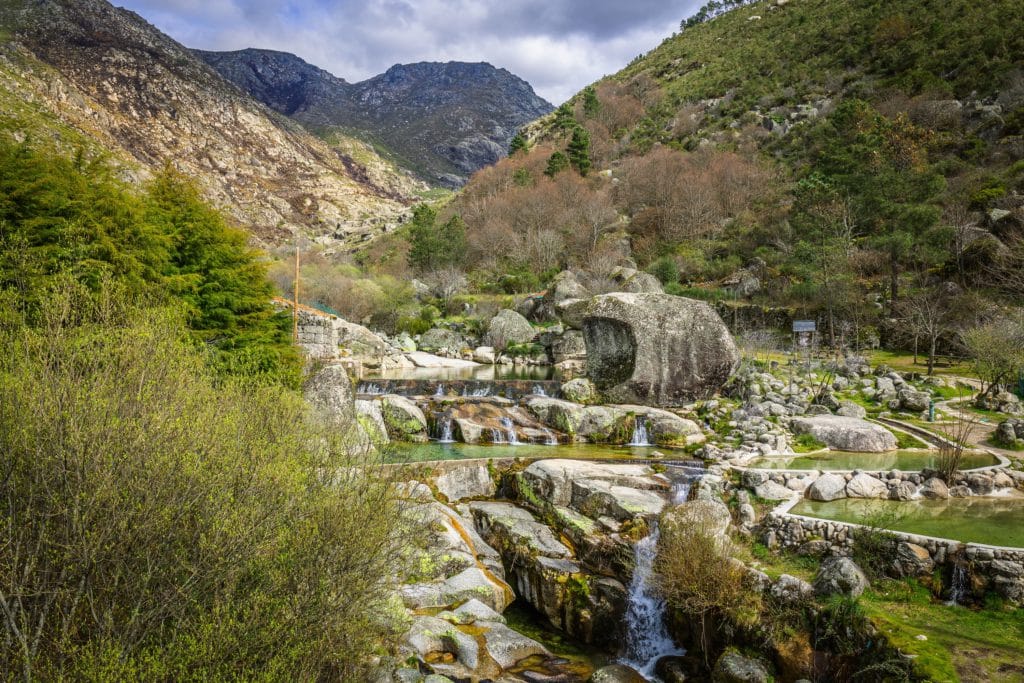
(564, 117)
(518, 144)
(579, 150)
(591, 105)
(557, 163)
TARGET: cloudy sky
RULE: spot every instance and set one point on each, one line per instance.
(559, 46)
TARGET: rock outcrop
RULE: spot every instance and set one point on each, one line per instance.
(846, 433)
(656, 349)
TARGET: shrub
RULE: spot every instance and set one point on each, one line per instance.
(160, 525)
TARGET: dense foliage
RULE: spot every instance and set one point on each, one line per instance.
(159, 524)
(71, 217)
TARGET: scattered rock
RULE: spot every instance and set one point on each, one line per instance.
(842, 576)
(508, 327)
(912, 560)
(865, 486)
(732, 667)
(790, 589)
(404, 419)
(827, 487)
(580, 390)
(934, 489)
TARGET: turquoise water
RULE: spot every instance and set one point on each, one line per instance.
(462, 451)
(995, 521)
(895, 460)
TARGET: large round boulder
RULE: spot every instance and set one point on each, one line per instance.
(508, 327)
(840, 576)
(846, 433)
(656, 349)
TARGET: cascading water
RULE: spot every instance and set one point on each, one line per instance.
(476, 393)
(640, 435)
(510, 431)
(958, 585)
(538, 390)
(445, 430)
(439, 392)
(647, 637)
(370, 388)
(552, 440)
(497, 436)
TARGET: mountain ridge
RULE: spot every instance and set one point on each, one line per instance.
(444, 120)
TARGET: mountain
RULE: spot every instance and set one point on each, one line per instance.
(444, 121)
(114, 84)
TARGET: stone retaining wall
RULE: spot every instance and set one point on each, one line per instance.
(988, 568)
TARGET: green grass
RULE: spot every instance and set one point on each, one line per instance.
(962, 644)
(904, 362)
(806, 443)
(905, 440)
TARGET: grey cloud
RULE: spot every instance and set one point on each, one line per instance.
(557, 45)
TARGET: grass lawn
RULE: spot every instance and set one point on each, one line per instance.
(904, 362)
(962, 644)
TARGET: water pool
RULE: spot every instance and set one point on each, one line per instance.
(907, 460)
(995, 521)
(462, 451)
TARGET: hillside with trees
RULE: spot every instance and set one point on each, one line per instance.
(859, 163)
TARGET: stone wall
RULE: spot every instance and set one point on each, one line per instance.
(318, 335)
(989, 568)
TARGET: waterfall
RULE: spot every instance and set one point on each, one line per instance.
(439, 392)
(370, 388)
(476, 393)
(538, 390)
(647, 638)
(958, 585)
(497, 436)
(445, 429)
(640, 436)
(510, 431)
(552, 440)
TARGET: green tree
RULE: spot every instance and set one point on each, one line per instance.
(557, 163)
(518, 144)
(591, 104)
(222, 282)
(579, 150)
(564, 117)
(433, 246)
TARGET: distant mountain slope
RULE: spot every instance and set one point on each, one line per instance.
(83, 73)
(443, 121)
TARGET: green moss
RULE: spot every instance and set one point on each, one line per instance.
(807, 443)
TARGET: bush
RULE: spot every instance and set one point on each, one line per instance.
(160, 525)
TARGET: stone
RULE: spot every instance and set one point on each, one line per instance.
(912, 560)
(569, 346)
(504, 525)
(711, 515)
(565, 286)
(790, 589)
(865, 486)
(746, 514)
(641, 283)
(422, 359)
(840, 576)
(371, 417)
(846, 433)
(506, 647)
(465, 481)
(827, 487)
(421, 595)
(905, 490)
(656, 349)
(1005, 434)
(484, 355)
(440, 338)
(566, 482)
(733, 667)
(474, 583)
(851, 409)
(580, 390)
(772, 491)
(753, 478)
(331, 393)
(934, 489)
(403, 418)
(980, 484)
(616, 673)
(473, 611)
(913, 401)
(508, 327)
(597, 424)
(665, 428)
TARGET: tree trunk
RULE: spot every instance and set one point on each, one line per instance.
(894, 282)
(931, 356)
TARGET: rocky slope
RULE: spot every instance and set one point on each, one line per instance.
(114, 83)
(443, 121)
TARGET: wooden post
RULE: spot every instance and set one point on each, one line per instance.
(295, 304)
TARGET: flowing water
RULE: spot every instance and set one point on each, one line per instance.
(647, 636)
(370, 388)
(445, 430)
(510, 432)
(640, 435)
(538, 390)
(958, 585)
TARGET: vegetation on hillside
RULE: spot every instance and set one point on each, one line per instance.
(70, 217)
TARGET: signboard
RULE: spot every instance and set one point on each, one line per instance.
(803, 326)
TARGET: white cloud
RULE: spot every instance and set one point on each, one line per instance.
(557, 45)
